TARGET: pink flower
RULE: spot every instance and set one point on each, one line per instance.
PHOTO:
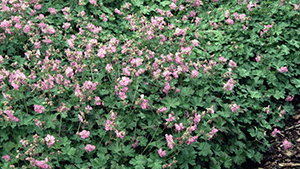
(286, 144)
(117, 11)
(42, 164)
(283, 69)
(50, 140)
(109, 68)
(171, 118)
(212, 133)
(104, 17)
(126, 71)
(193, 14)
(162, 109)
(26, 29)
(102, 52)
(108, 125)
(93, 2)
(69, 72)
(66, 25)
(24, 142)
(258, 58)
(145, 104)
(193, 139)
(194, 73)
(197, 118)
(184, 18)
(6, 158)
(38, 7)
(90, 85)
(136, 144)
(179, 127)
(84, 134)
(170, 141)
(242, 17)
(39, 109)
(125, 81)
(167, 88)
(122, 95)
(97, 100)
(250, 5)
(18, 26)
(275, 131)
(296, 7)
(232, 63)
(169, 14)
(195, 42)
(226, 13)
(136, 62)
(37, 45)
(127, 5)
(120, 134)
(211, 110)
(222, 59)
(89, 147)
(161, 153)
(50, 30)
(289, 99)
(229, 85)
(80, 118)
(38, 123)
(229, 21)
(173, 6)
(52, 11)
(113, 115)
(234, 108)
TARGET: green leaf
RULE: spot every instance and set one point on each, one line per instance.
(129, 151)
(171, 102)
(101, 161)
(64, 141)
(204, 148)
(8, 146)
(165, 3)
(145, 10)
(154, 163)
(243, 72)
(296, 82)
(255, 94)
(71, 151)
(196, 101)
(139, 162)
(294, 43)
(137, 2)
(187, 153)
(284, 49)
(279, 94)
(255, 133)
(227, 161)
(186, 91)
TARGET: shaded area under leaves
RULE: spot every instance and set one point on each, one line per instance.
(277, 157)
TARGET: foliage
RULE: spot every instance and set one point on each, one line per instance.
(145, 84)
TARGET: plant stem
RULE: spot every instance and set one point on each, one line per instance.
(60, 125)
(78, 129)
(137, 86)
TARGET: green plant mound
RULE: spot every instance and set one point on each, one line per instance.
(145, 84)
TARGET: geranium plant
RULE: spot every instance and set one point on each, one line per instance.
(138, 84)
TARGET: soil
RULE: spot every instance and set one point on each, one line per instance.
(277, 157)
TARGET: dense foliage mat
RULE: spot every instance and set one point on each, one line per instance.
(145, 84)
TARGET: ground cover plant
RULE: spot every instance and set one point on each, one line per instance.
(145, 84)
